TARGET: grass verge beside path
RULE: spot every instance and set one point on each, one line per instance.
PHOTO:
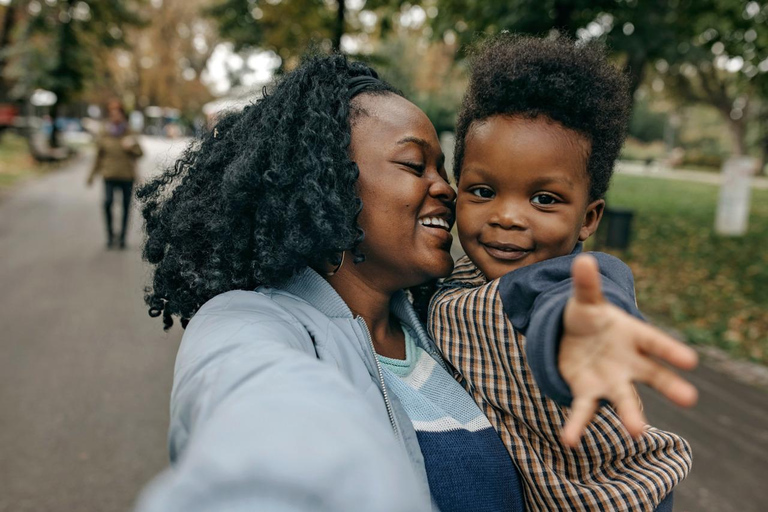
(15, 161)
(713, 289)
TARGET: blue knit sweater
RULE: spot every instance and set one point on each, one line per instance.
(467, 465)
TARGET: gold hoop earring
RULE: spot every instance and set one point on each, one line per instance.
(333, 272)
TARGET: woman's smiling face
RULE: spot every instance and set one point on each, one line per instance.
(407, 201)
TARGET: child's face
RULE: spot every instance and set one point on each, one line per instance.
(523, 193)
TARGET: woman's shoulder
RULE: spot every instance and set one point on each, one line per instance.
(262, 305)
(247, 305)
(242, 318)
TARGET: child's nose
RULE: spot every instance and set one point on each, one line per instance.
(509, 215)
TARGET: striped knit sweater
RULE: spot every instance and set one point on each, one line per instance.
(608, 471)
(467, 465)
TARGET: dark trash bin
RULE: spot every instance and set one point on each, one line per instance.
(618, 227)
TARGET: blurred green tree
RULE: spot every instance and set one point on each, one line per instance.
(638, 31)
(10, 15)
(58, 44)
(708, 51)
(466, 18)
(286, 27)
(165, 59)
(647, 125)
(289, 27)
(424, 70)
(724, 65)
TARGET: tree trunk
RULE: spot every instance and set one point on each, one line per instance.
(5, 30)
(763, 141)
(563, 21)
(5, 41)
(738, 130)
(61, 70)
(339, 28)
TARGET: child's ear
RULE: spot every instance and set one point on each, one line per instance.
(591, 219)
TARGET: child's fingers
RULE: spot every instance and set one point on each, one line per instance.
(656, 343)
(627, 405)
(586, 280)
(680, 391)
(582, 411)
(667, 382)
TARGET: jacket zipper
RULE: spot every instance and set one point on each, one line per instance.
(387, 403)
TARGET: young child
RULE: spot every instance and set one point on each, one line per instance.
(539, 130)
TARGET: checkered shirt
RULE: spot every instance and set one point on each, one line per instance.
(609, 470)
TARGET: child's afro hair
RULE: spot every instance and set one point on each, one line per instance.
(569, 82)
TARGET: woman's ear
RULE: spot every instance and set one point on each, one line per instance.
(591, 219)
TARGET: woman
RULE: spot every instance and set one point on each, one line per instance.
(320, 389)
(117, 152)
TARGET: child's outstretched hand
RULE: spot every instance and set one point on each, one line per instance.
(604, 350)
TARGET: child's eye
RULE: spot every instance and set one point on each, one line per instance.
(544, 199)
(483, 192)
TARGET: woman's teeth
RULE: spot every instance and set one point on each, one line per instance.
(435, 222)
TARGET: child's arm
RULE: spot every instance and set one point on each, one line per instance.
(601, 348)
(534, 299)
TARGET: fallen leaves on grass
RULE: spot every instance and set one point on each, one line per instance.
(712, 288)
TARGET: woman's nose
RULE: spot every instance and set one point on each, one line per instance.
(441, 189)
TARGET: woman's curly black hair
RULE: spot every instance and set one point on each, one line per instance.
(567, 81)
(270, 190)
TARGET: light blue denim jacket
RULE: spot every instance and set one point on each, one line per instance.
(278, 405)
(278, 402)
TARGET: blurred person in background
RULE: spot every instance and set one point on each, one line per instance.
(118, 150)
(285, 239)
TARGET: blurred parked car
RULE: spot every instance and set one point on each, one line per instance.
(8, 114)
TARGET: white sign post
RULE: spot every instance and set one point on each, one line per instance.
(733, 205)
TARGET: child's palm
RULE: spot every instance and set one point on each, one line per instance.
(604, 350)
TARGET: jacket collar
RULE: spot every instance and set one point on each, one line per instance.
(313, 288)
(310, 286)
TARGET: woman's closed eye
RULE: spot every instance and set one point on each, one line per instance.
(483, 192)
(418, 168)
(545, 199)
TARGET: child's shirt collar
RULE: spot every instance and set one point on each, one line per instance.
(465, 275)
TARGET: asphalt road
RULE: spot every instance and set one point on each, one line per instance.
(85, 373)
(728, 431)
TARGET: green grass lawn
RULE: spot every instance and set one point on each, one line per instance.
(713, 289)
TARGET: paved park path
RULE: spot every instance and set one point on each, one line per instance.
(85, 373)
(661, 172)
